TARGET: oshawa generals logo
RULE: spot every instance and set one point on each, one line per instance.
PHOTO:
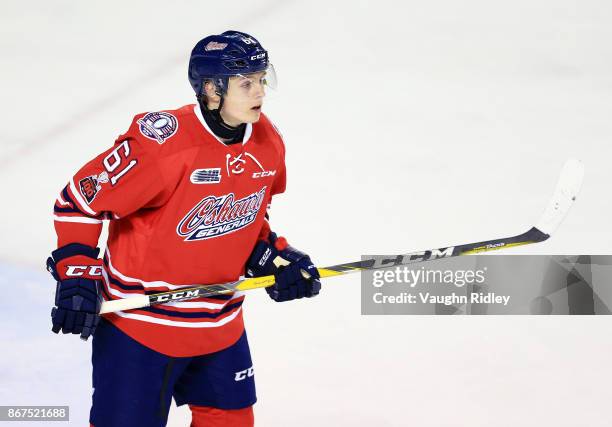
(215, 216)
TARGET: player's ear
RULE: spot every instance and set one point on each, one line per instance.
(211, 97)
(210, 90)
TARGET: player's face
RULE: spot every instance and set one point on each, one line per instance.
(244, 99)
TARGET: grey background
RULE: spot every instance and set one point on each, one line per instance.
(533, 284)
(409, 125)
(34, 413)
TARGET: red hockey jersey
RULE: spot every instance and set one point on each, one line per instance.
(184, 209)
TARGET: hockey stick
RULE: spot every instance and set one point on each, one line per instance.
(565, 193)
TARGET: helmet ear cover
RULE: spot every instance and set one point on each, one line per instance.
(220, 83)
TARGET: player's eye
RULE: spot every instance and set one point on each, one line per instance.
(246, 84)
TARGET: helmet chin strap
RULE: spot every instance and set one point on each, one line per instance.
(229, 134)
(218, 113)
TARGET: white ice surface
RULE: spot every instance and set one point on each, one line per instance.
(409, 125)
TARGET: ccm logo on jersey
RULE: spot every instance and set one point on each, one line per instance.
(263, 174)
(83, 270)
(241, 375)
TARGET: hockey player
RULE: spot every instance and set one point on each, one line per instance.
(186, 193)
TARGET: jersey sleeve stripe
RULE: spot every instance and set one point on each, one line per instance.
(61, 201)
(167, 322)
(144, 284)
(193, 315)
(65, 204)
(66, 196)
(125, 290)
(112, 293)
(193, 319)
(118, 289)
(79, 219)
(81, 203)
(183, 304)
(69, 210)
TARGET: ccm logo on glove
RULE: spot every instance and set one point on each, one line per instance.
(294, 272)
(76, 269)
(265, 257)
(81, 270)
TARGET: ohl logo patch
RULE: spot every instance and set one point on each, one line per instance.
(206, 176)
(216, 216)
(158, 126)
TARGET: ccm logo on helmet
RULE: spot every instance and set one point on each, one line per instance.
(263, 174)
(259, 56)
(80, 270)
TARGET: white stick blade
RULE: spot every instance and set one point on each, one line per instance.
(565, 194)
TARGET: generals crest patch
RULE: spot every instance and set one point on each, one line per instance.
(158, 126)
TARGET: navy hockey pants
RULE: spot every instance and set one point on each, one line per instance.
(134, 385)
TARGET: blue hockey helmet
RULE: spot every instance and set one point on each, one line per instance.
(216, 58)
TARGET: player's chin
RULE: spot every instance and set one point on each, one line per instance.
(253, 115)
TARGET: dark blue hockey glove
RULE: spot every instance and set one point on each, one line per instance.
(78, 294)
(290, 281)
